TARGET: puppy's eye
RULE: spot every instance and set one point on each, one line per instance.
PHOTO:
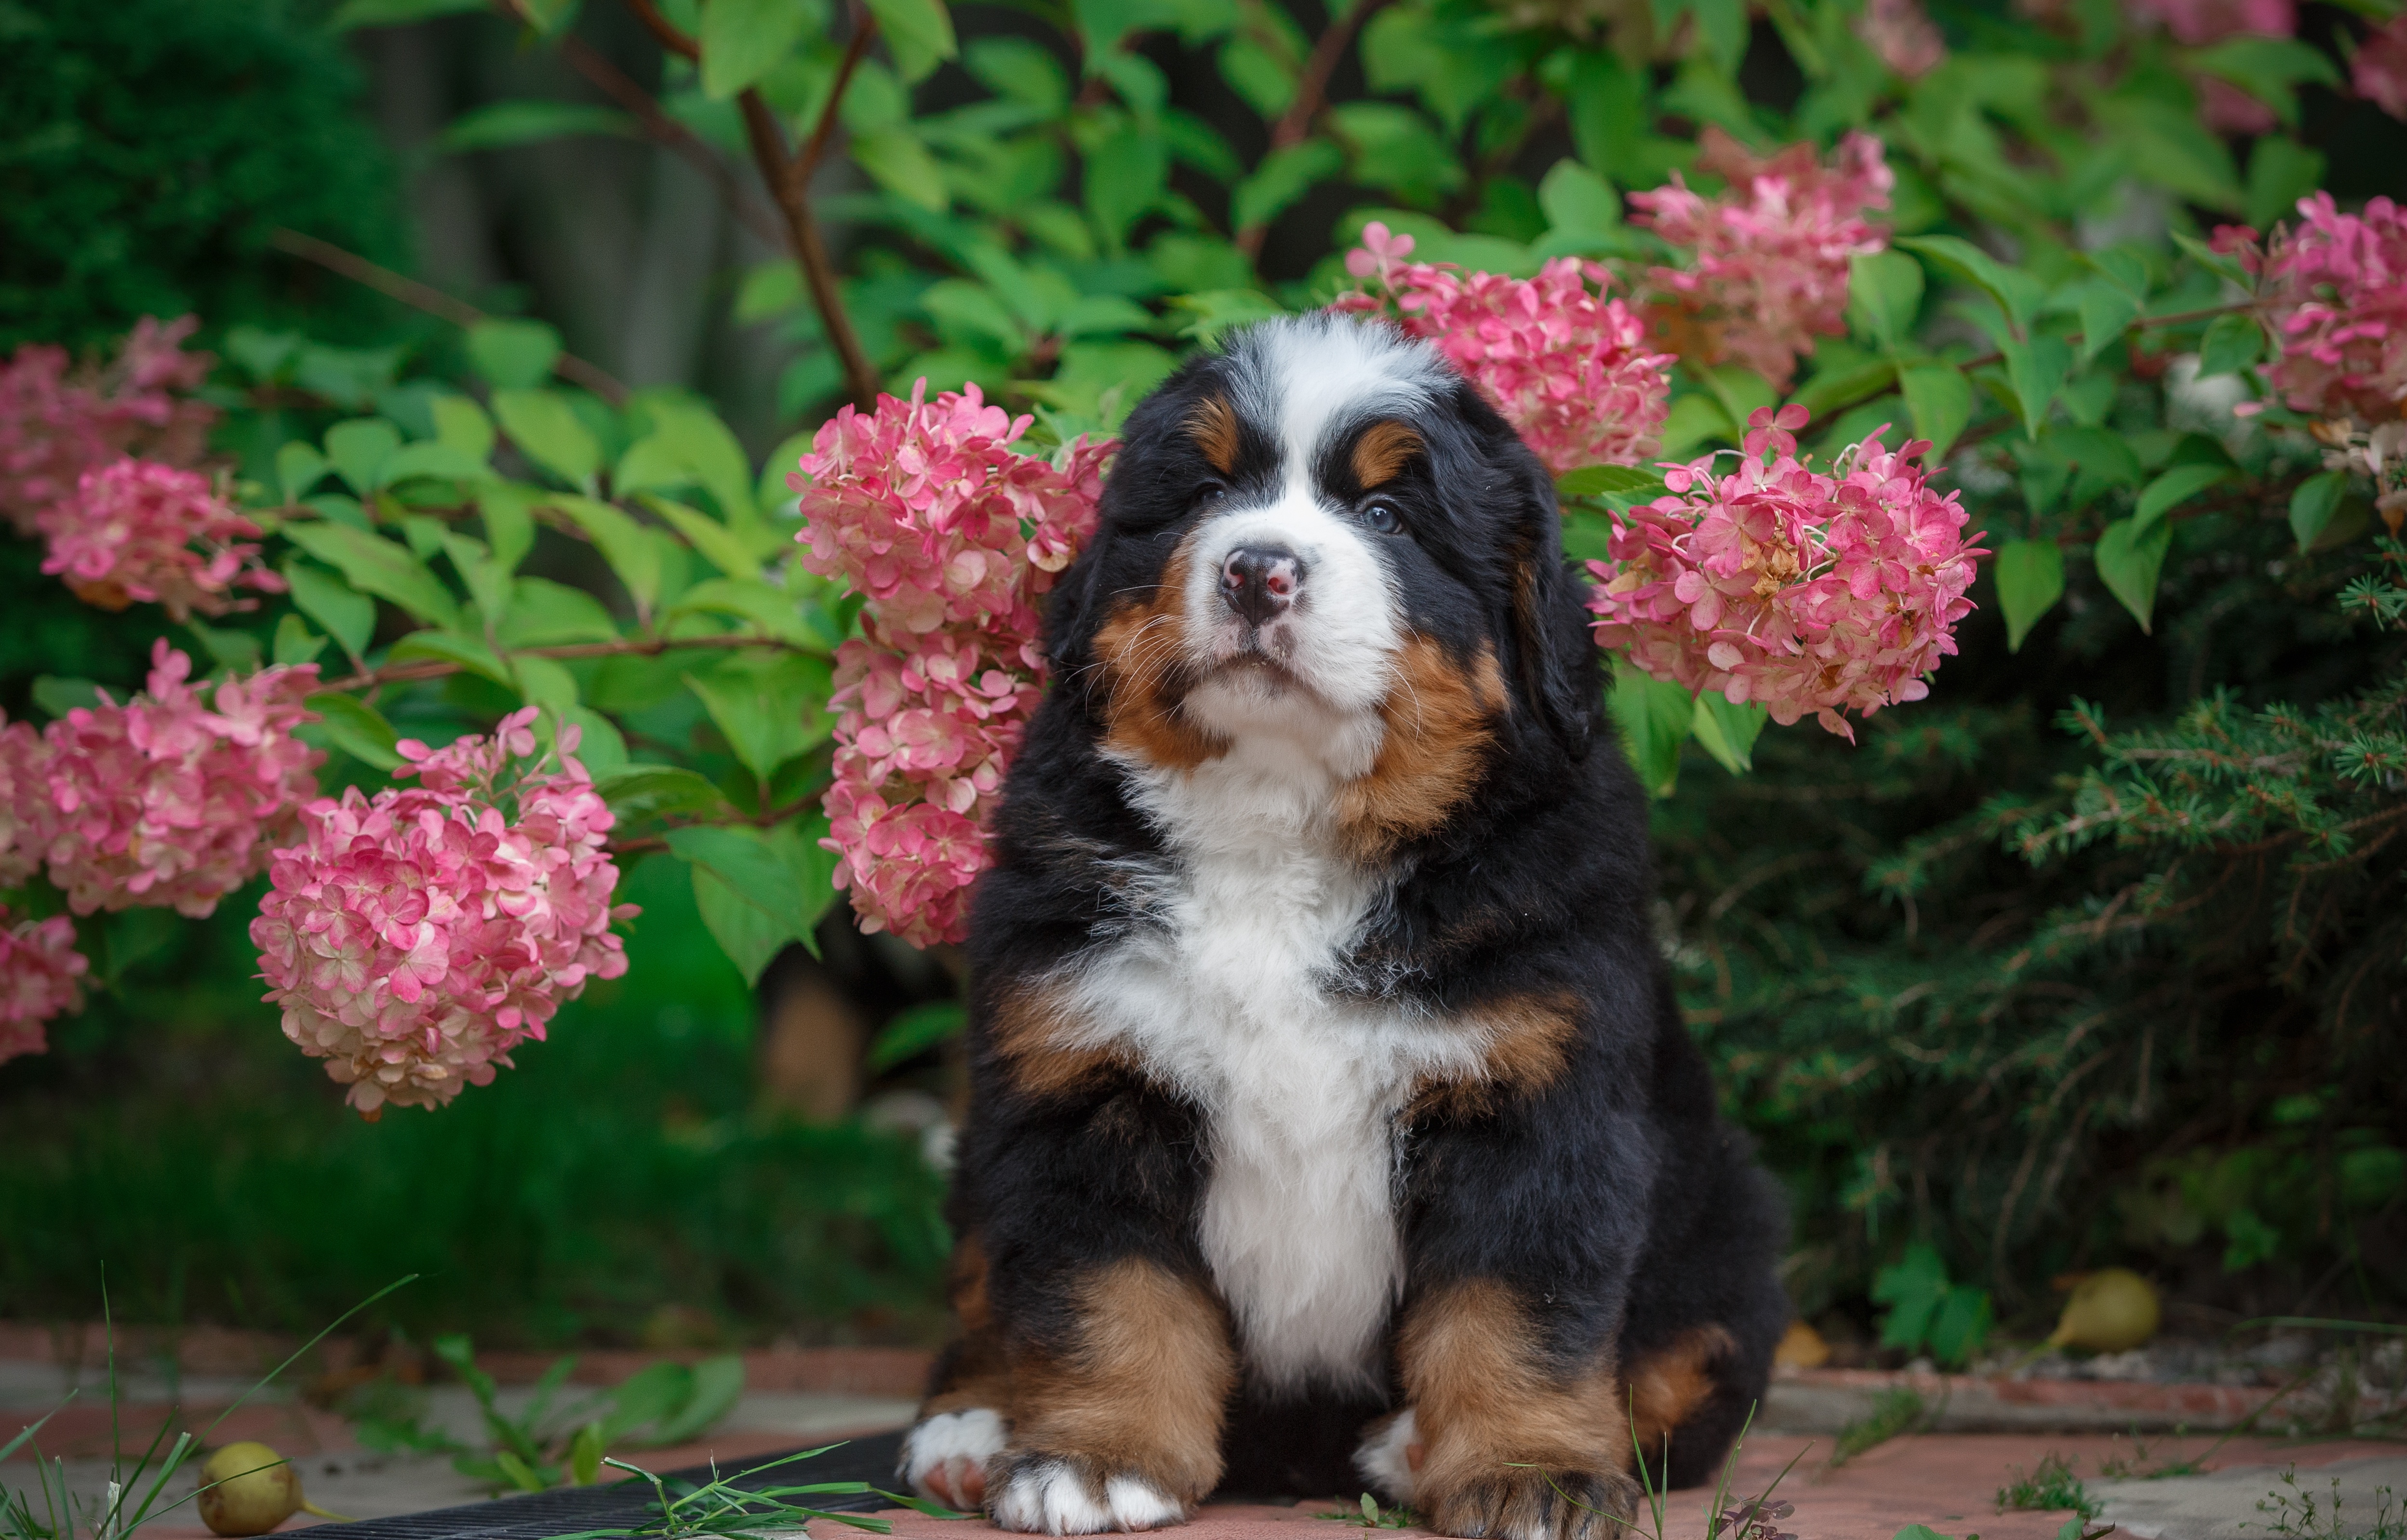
(1209, 493)
(1382, 517)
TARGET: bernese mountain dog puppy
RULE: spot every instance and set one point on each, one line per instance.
(1331, 1120)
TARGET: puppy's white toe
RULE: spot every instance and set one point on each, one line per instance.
(1384, 1458)
(940, 1454)
(1053, 1497)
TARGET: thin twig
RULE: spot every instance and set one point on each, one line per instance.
(591, 63)
(864, 29)
(662, 28)
(433, 301)
(781, 172)
(1311, 90)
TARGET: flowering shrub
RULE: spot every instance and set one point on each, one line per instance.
(164, 801)
(1770, 270)
(1806, 593)
(2335, 292)
(413, 938)
(38, 970)
(57, 422)
(2379, 71)
(129, 530)
(952, 535)
(1568, 367)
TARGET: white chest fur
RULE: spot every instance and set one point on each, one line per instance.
(1224, 997)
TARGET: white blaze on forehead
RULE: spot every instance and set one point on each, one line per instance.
(1303, 377)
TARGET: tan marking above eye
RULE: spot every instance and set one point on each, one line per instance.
(1382, 452)
(1213, 425)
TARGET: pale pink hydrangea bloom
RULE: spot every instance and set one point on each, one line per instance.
(1770, 264)
(2200, 21)
(1903, 35)
(1809, 592)
(2334, 293)
(57, 422)
(169, 800)
(415, 937)
(136, 529)
(38, 970)
(953, 535)
(1568, 367)
(23, 785)
(2379, 71)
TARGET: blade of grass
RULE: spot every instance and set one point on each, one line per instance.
(402, 1281)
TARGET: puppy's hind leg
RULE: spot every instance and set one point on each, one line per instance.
(964, 1420)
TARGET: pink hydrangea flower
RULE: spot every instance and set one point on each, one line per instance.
(136, 529)
(38, 970)
(2379, 71)
(22, 786)
(2334, 295)
(2200, 21)
(1568, 367)
(1904, 37)
(1809, 592)
(167, 800)
(1770, 267)
(57, 422)
(953, 537)
(415, 937)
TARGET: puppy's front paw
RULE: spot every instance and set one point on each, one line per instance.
(1038, 1493)
(945, 1457)
(1523, 1502)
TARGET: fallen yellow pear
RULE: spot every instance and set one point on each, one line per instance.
(1801, 1349)
(2110, 1311)
(249, 1488)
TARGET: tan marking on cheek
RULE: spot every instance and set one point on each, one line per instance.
(1440, 719)
(1027, 1027)
(1529, 1039)
(1382, 452)
(1213, 426)
(1140, 651)
(1668, 1385)
(1143, 1385)
(1485, 1398)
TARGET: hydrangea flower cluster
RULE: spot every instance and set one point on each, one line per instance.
(1805, 592)
(2200, 21)
(1568, 367)
(952, 535)
(20, 785)
(415, 937)
(38, 970)
(57, 422)
(1902, 33)
(166, 800)
(1771, 252)
(2379, 71)
(2334, 293)
(136, 529)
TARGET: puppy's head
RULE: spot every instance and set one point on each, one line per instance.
(1323, 537)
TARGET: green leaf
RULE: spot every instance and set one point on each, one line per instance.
(748, 896)
(2130, 557)
(394, 13)
(600, 746)
(750, 936)
(1125, 178)
(1617, 481)
(914, 1032)
(707, 451)
(58, 696)
(487, 582)
(585, 1453)
(771, 706)
(2281, 171)
(545, 682)
(349, 616)
(455, 647)
(1284, 177)
(659, 790)
(706, 536)
(1728, 731)
(1940, 400)
(1740, 389)
(1576, 199)
(2176, 487)
(228, 649)
(1694, 418)
(1723, 25)
(510, 523)
(801, 843)
(2018, 292)
(624, 544)
(299, 466)
(2312, 505)
(2268, 68)
(717, 1385)
(513, 355)
(295, 643)
(2030, 580)
(374, 565)
(920, 33)
(2035, 371)
(543, 613)
(1216, 311)
(742, 41)
(358, 449)
(1884, 290)
(355, 727)
(1655, 717)
(1960, 1326)
(546, 429)
(755, 602)
(1834, 390)
(1913, 1289)
(2106, 310)
(2231, 344)
(430, 460)
(2221, 264)
(500, 125)
(899, 163)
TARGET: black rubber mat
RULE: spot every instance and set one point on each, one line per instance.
(627, 1504)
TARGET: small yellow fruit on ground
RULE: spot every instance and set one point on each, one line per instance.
(1801, 1349)
(247, 1489)
(2113, 1310)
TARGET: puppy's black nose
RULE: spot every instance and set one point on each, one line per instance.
(1259, 582)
